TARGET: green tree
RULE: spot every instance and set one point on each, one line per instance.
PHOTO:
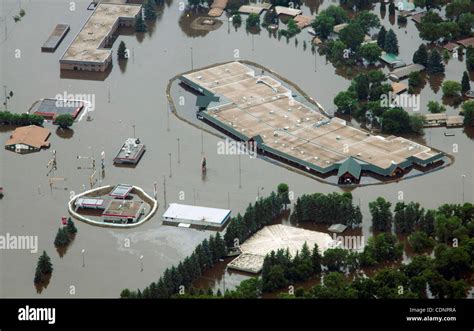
(361, 85)
(435, 64)
(270, 17)
(367, 20)
(150, 9)
(451, 88)
(70, 227)
(451, 262)
(346, 102)
(64, 121)
(430, 26)
(335, 259)
(253, 21)
(420, 241)
(468, 112)
(381, 215)
(465, 83)
(421, 55)
(391, 42)
(381, 37)
(122, 51)
(414, 79)
(140, 25)
(323, 25)
(236, 19)
(470, 58)
(283, 193)
(62, 238)
(391, 9)
(370, 52)
(435, 107)
(416, 123)
(396, 121)
(352, 35)
(44, 264)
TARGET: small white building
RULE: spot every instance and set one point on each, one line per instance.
(196, 216)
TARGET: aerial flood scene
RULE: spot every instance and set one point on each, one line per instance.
(236, 149)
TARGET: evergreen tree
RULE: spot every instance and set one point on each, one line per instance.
(391, 42)
(283, 193)
(221, 250)
(435, 64)
(44, 264)
(316, 259)
(381, 215)
(150, 9)
(421, 55)
(465, 83)
(70, 227)
(391, 8)
(122, 51)
(361, 86)
(381, 37)
(62, 238)
(140, 25)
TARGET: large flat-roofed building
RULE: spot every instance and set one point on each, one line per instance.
(197, 216)
(259, 109)
(88, 51)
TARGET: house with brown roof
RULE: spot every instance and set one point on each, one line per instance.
(27, 139)
(466, 42)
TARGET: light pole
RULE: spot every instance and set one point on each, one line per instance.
(6, 100)
(83, 260)
(133, 126)
(169, 154)
(141, 262)
(463, 177)
(179, 154)
(258, 192)
(192, 60)
(240, 173)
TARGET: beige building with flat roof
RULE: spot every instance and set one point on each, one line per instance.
(88, 51)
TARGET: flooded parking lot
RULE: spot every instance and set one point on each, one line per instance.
(131, 97)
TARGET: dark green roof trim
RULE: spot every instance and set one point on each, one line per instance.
(195, 86)
(204, 101)
(351, 166)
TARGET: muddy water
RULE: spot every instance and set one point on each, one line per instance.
(133, 94)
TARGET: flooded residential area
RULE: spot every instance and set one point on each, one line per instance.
(181, 143)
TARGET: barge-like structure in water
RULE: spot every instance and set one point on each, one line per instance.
(131, 152)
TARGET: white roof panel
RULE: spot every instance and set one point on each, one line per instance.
(196, 213)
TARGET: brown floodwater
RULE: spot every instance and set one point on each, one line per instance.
(133, 94)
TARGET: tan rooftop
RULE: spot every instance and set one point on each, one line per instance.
(260, 105)
(303, 21)
(88, 44)
(31, 135)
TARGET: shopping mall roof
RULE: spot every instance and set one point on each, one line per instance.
(260, 106)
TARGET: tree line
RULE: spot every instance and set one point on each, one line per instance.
(328, 209)
(7, 118)
(177, 279)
